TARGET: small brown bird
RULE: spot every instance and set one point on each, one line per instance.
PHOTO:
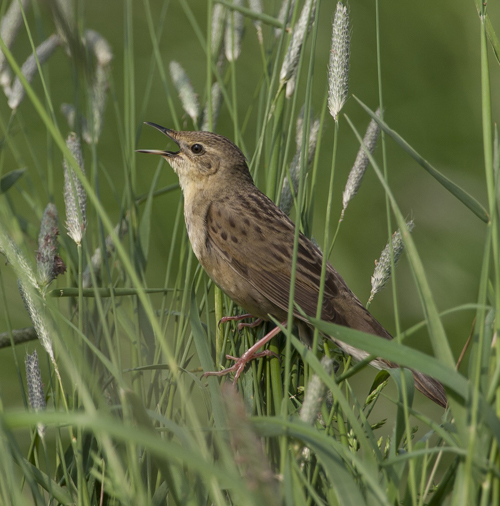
(245, 244)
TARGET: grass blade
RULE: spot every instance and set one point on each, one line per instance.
(10, 179)
(464, 197)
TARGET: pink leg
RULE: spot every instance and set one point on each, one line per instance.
(248, 356)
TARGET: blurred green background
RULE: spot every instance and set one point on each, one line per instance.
(431, 89)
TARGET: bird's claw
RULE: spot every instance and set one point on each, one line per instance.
(237, 318)
(250, 325)
(240, 363)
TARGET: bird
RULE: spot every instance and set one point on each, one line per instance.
(244, 242)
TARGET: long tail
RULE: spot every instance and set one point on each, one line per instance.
(430, 387)
(358, 317)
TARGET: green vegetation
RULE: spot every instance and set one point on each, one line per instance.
(124, 321)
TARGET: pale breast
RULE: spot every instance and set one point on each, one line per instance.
(212, 258)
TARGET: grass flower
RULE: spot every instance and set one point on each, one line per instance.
(287, 195)
(30, 291)
(358, 169)
(28, 287)
(216, 103)
(256, 6)
(185, 89)
(30, 69)
(218, 18)
(75, 197)
(315, 394)
(99, 46)
(11, 22)
(36, 395)
(383, 268)
(36, 311)
(292, 57)
(338, 68)
(49, 263)
(234, 33)
(101, 49)
(285, 15)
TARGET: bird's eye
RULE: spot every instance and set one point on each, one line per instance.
(197, 149)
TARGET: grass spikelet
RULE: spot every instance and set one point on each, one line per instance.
(338, 68)
(185, 89)
(383, 269)
(358, 169)
(75, 197)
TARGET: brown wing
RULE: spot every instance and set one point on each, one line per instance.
(258, 244)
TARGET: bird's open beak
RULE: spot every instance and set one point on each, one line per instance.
(169, 133)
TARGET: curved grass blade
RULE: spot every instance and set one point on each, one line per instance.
(107, 426)
(398, 353)
(464, 197)
(334, 457)
(9, 179)
(372, 455)
(203, 350)
(457, 385)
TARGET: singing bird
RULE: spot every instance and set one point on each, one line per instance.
(245, 244)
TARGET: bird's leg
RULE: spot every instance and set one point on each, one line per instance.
(248, 356)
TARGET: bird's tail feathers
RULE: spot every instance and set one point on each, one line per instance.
(430, 387)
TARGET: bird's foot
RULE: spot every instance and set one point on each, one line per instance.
(248, 356)
(240, 363)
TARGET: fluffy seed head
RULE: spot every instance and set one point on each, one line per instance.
(234, 33)
(285, 15)
(185, 89)
(30, 69)
(218, 18)
(29, 289)
(99, 46)
(315, 394)
(338, 68)
(216, 96)
(358, 169)
(292, 57)
(75, 197)
(10, 24)
(100, 82)
(34, 381)
(49, 264)
(256, 6)
(287, 195)
(36, 395)
(37, 314)
(383, 270)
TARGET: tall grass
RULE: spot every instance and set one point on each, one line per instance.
(127, 419)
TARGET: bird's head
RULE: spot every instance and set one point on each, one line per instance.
(202, 156)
